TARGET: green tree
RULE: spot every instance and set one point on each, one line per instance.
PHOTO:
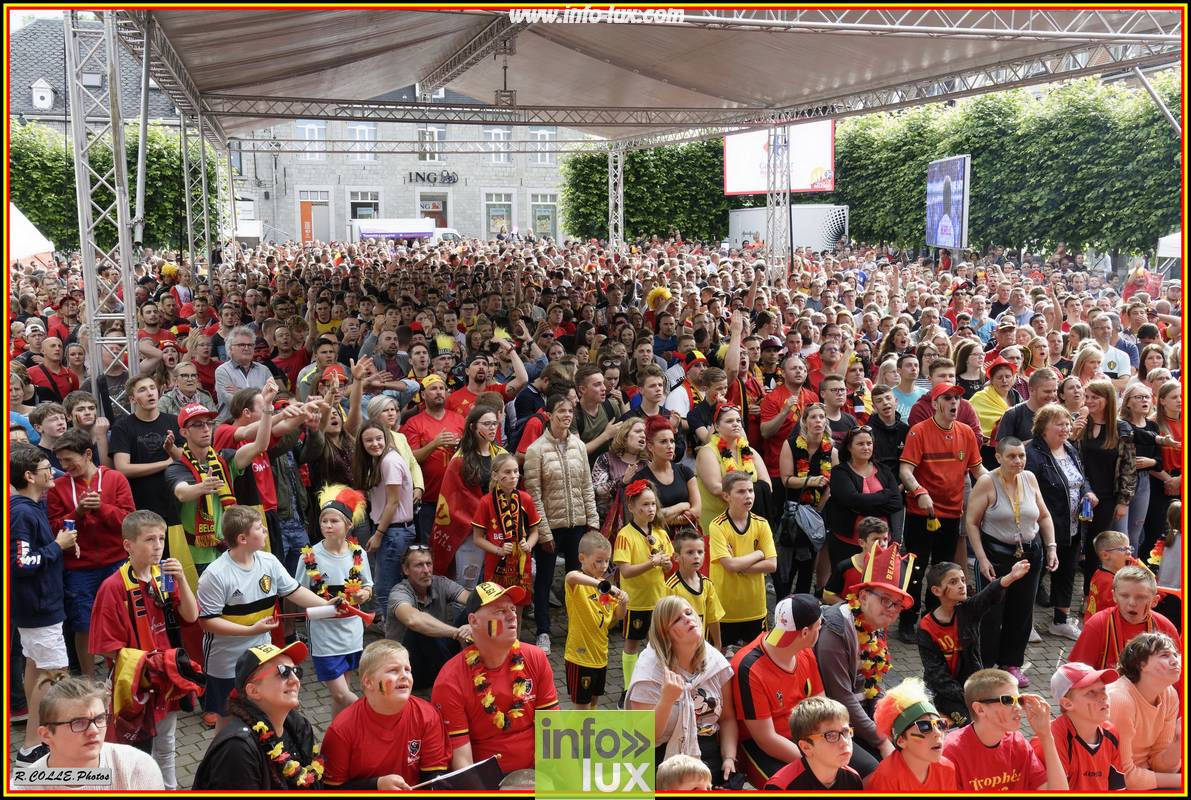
(42, 184)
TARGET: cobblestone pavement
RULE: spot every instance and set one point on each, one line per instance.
(193, 738)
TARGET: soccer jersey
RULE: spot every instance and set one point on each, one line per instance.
(945, 637)
(633, 547)
(799, 775)
(705, 600)
(588, 622)
(1106, 633)
(844, 576)
(455, 697)
(1010, 766)
(334, 637)
(763, 690)
(941, 458)
(362, 743)
(893, 775)
(1088, 766)
(243, 596)
(742, 594)
(1100, 594)
(461, 400)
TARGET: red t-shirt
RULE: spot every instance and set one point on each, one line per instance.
(941, 458)
(420, 431)
(455, 697)
(532, 431)
(771, 406)
(206, 374)
(486, 518)
(1107, 632)
(362, 743)
(763, 690)
(461, 400)
(162, 335)
(64, 381)
(292, 364)
(892, 775)
(262, 468)
(747, 394)
(1100, 595)
(1087, 766)
(1010, 766)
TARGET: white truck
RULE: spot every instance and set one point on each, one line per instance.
(394, 228)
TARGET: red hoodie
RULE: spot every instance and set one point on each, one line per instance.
(100, 543)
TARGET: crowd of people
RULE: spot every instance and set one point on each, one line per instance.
(384, 461)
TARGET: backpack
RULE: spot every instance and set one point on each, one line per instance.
(518, 428)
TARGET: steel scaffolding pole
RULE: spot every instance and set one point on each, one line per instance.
(142, 148)
(1174, 123)
(102, 198)
(777, 199)
(616, 199)
(183, 141)
(206, 200)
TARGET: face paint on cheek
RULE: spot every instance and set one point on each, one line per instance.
(495, 627)
(386, 687)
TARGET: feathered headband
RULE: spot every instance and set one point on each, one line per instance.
(900, 706)
(344, 499)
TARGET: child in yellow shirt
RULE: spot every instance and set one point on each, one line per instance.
(643, 554)
(687, 583)
(592, 604)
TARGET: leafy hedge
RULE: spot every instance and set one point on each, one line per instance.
(41, 175)
(1095, 165)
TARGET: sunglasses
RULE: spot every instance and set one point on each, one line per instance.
(1005, 700)
(413, 548)
(925, 725)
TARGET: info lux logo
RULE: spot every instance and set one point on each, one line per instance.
(594, 753)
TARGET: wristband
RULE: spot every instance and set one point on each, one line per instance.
(1052, 544)
(919, 491)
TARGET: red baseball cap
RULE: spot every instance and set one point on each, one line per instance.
(1075, 675)
(944, 389)
(193, 411)
(334, 369)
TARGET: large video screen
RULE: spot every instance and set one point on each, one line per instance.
(812, 159)
(948, 182)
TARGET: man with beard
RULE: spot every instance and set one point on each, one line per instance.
(433, 436)
(479, 371)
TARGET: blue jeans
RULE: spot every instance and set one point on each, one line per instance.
(1137, 512)
(293, 538)
(388, 563)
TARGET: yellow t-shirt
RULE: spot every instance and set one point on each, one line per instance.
(632, 547)
(744, 594)
(327, 327)
(588, 621)
(706, 601)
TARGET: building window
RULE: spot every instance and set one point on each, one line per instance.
(544, 137)
(543, 214)
(314, 196)
(314, 131)
(498, 139)
(236, 156)
(364, 205)
(430, 139)
(363, 136)
(498, 213)
(43, 94)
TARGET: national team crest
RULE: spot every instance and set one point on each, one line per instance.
(961, 455)
(266, 583)
(414, 749)
(779, 696)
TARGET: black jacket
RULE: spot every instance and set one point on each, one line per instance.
(948, 689)
(234, 760)
(1053, 484)
(848, 502)
(888, 441)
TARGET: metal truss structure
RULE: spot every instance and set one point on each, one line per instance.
(194, 181)
(778, 234)
(494, 39)
(415, 147)
(616, 157)
(1006, 24)
(102, 198)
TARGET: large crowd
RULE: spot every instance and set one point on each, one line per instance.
(454, 450)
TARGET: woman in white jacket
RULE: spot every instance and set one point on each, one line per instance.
(558, 478)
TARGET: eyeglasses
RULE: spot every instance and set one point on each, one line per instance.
(80, 724)
(201, 423)
(1005, 700)
(886, 602)
(185, 374)
(925, 725)
(245, 344)
(1124, 549)
(489, 424)
(831, 737)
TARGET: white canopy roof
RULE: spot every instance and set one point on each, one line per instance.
(24, 240)
(361, 54)
(1171, 246)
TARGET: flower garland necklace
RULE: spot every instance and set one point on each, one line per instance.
(355, 575)
(503, 720)
(292, 771)
(1155, 558)
(874, 651)
(728, 462)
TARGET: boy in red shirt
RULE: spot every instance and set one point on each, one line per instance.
(1087, 742)
(1134, 591)
(991, 753)
(905, 716)
(388, 740)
